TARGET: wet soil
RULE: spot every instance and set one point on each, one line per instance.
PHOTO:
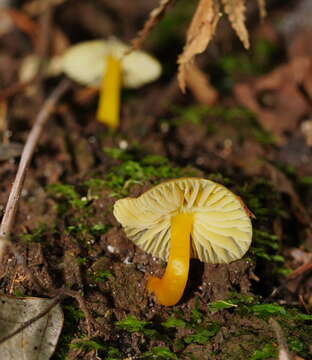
(256, 140)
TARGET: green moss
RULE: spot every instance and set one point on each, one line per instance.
(295, 345)
(266, 204)
(199, 332)
(132, 324)
(241, 118)
(228, 69)
(159, 353)
(306, 180)
(202, 335)
(35, 235)
(69, 195)
(116, 153)
(88, 345)
(113, 353)
(72, 317)
(267, 351)
(173, 322)
(19, 293)
(103, 275)
(149, 168)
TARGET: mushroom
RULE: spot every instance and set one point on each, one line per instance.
(88, 61)
(183, 218)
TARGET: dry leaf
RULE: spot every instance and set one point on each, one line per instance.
(235, 10)
(269, 97)
(155, 15)
(199, 84)
(201, 29)
(199, 34)
(37, 341)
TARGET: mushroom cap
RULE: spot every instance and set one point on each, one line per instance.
(85, 63)
(31, 63)
(221, 231)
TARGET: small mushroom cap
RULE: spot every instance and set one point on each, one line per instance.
(222, 229)
(85, 63)
(31, 63)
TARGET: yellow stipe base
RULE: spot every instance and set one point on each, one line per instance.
(109, 98)
(170, 288)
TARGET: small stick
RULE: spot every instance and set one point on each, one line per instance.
(300, 270)
(32, 140)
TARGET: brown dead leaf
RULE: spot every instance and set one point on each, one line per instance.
(24, 23)
(200, 86)
(37, 341)
(199, 33)
(235, 10)
(300, 44)
(154, 17)
(276, 98)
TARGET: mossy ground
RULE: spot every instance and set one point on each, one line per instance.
(69, 237)
(223, 315)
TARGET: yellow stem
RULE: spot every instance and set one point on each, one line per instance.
(109, 98)
(169, 289)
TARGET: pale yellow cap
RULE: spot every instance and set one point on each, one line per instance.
(85, 63)
(222, 229)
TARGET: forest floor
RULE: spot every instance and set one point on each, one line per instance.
(255, 138)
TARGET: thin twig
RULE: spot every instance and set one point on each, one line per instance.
(32, 140)
(300, 270)
(27, 323)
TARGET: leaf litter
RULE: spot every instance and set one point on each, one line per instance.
(38, 340)
(81, 246)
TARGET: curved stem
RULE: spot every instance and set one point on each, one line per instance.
(109, 98)
(169, 289)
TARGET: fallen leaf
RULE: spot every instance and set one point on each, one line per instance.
(235, 10)
(154, 16)
(199, 34)
(276, 98)
(35, 342)
(199, 84)
(24, 23)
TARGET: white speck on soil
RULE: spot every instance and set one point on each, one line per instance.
(111, 249)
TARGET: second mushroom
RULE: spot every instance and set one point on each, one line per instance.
(108, 65)
(184, 218)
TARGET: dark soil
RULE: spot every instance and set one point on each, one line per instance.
(256, 140)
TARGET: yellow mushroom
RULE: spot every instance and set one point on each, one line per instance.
(105, 64)
(183, 218)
